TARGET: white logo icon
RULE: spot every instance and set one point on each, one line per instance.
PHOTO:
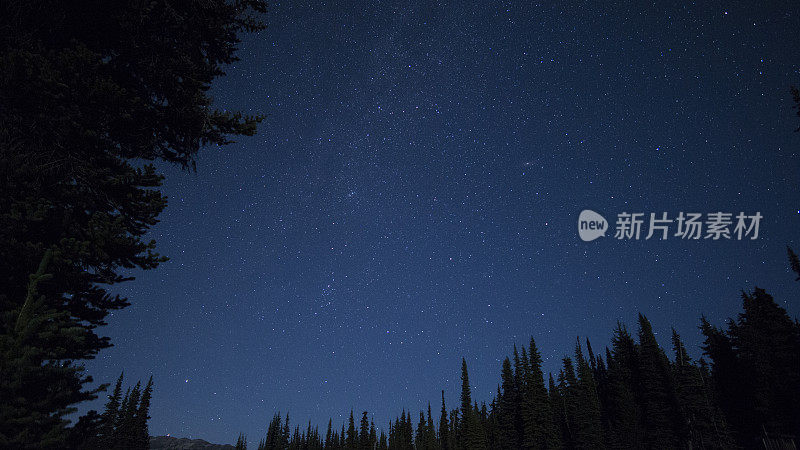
(591, 225)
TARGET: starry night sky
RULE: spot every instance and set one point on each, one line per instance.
(413, 196)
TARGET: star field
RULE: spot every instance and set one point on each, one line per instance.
(412, 198)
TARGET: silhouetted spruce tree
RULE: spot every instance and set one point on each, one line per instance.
(492, 424)
(405, 432)
(506, 436)
(471, 434)
(383, 442)
(274, 439)
(621, 409)
(295, 441)
(768, 344)
(141, 431)
(559, 407)
(241, 442)
(285, 436)
(794, 262)
(540, 428)
(522, 388)
(351, 443)
(431, 442)
(444, 428)
(82, 107)
(363, 436)
(567, 387)
(659, 407)
(110, 418)
(588, 430)
(329, 434)
(455, 430)
(419, 438)
(702, 418)
(125, 435)
(756, 368)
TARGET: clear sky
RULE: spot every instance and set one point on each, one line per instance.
(412, 198)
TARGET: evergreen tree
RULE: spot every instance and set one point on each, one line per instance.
(588, 428)
(621, 409)
(352, 440)
(430, 432)
(82, 107)
(471, 433)
(444, 435)
(756, 368)
(329, 434)
(363, 437)
(274, 439)
(659, 409)
(703, 421)
(506, 430)
(110, 416)
(419, 438)
(540, 429)
(241, 442)
(794, 262)
(455, 430)
(567, 387)
(141, 432)
(383, 442)
(126, 432)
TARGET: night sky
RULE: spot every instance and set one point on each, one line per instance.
(412, 199)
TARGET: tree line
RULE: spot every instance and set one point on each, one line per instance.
(743, 390)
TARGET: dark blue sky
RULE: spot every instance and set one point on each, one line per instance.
(413, 197)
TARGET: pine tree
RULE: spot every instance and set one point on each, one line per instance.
(430, 432)
(588, 428)
(659, 409)
(756, 368)
(383, 442)
(352, 439)
(82, 108)
(141, 431)
(703, 421)
(444, 435)
(241, 442)
(768, 346)
(559, 408)
(419, 439)
(455, 430)
(110, 416)
(540, 429)
(520, 366)
(471, 433)
(621, 409)
(794, 262)
(506, 430)
(363, 437)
